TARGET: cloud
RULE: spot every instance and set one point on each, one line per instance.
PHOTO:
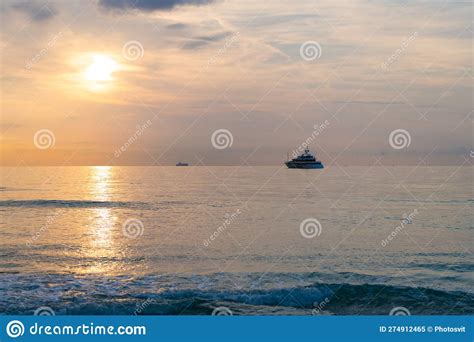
(150, 5)
(35, 11)
(262, 74)
(198, 42)
(280, 19)
(177, 26)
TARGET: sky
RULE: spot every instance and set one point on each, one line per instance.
(223, 82)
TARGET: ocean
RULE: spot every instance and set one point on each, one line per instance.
(237, 240)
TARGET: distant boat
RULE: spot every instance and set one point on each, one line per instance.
(304, 161)
(182, 164)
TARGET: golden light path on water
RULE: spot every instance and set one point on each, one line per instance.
(103, 245)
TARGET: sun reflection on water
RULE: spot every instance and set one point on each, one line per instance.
(100, 184)
(102, 245)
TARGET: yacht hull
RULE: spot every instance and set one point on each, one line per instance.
(293, 165)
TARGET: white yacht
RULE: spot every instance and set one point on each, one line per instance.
(304, 161)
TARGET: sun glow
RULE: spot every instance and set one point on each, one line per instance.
(99, 71)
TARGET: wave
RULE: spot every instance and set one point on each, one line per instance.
(71, 204)
(5, 188)
(173, 295)
(443, 267)
(454, 201)
(340, 298)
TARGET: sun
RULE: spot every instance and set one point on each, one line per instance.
(99, 71)
(101, 68)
